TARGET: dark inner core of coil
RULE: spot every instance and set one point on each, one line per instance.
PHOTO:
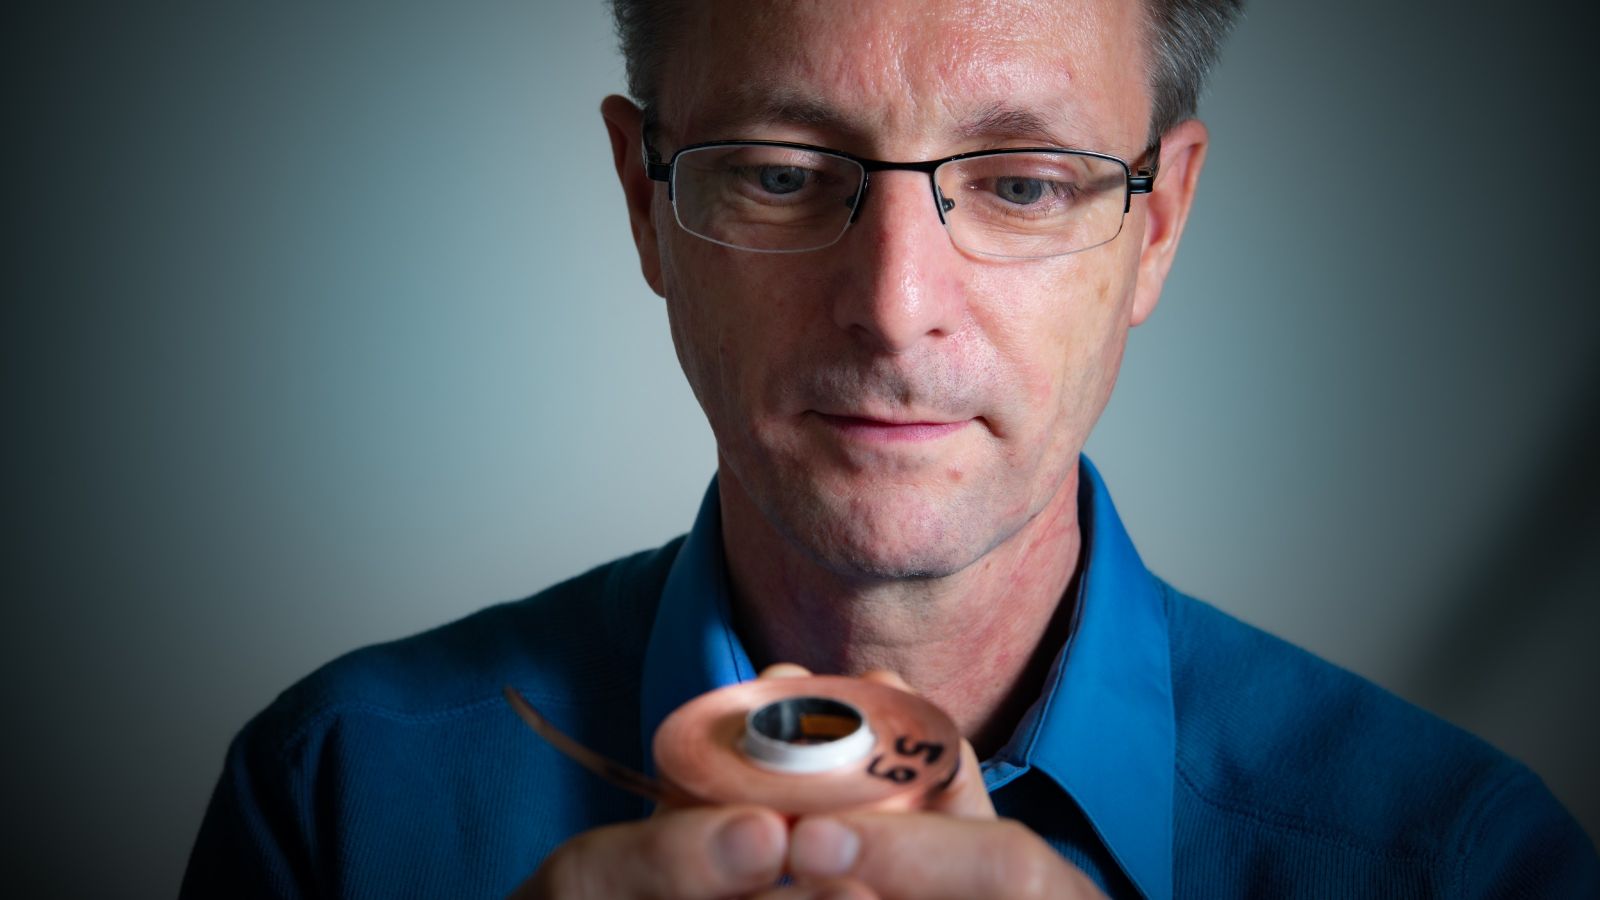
(806, 720)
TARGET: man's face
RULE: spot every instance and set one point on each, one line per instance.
(892, 405)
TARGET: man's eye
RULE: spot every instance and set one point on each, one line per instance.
(781, 179)
(1020, 190)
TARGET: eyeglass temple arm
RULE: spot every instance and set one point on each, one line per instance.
(654, 168)
(1143, 179)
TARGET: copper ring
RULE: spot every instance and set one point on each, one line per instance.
(877, 748)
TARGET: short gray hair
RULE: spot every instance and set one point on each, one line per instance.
(1186, 37)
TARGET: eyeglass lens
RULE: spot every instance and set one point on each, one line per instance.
(1024, 205)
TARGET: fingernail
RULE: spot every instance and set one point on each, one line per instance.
(748, 844)
(822, 848)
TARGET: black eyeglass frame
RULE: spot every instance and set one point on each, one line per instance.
(1139, 181)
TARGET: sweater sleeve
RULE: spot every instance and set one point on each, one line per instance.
(253, 842)
(1522, 843)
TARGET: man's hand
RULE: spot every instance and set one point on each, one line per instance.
(956, 849)
(686, 854)
(709, 852)
(930, 856)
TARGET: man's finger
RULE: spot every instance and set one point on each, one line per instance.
(967, 796)
(886, 677)
(785, 670)
(689, 854)
(932, 856)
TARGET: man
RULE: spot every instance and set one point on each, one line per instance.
(900, 362)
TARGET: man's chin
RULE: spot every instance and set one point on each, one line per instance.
(878, 538)
(867, 566)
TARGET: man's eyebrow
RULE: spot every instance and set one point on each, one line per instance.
(753, 106)
(756, 106)
(1001, 121)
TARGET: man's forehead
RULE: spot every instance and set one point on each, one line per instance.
(942, 71)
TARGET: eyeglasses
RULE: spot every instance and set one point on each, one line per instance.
(780, 197)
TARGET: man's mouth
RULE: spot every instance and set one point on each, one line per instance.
(867, 428)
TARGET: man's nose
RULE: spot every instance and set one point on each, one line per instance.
(902, 284)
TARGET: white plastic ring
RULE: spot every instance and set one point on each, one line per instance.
(806, 734)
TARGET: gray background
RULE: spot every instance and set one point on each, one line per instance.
(324, 328)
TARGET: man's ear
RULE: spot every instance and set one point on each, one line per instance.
(624, 123)
(1183, 152)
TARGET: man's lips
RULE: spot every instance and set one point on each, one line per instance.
(872, 429)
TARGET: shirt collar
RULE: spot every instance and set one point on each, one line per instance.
(1103, 729)
(692, 646)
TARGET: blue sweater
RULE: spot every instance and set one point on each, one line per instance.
(1176, 752)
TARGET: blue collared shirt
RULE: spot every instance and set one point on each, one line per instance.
(1173, 752)
(1112, 679)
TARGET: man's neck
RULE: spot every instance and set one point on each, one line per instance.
(978, 643)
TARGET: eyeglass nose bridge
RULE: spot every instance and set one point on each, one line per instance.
(941, 203)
